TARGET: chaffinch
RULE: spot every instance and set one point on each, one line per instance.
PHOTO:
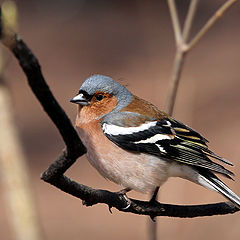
(134, 144)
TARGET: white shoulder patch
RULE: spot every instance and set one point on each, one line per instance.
(117, 130)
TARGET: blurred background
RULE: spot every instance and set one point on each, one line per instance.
(133, 42)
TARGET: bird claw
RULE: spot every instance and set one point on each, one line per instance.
(128, 201)
(122, 195)
(153, 202)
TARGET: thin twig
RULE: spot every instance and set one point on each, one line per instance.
(180, 51)
(175, 21)
(174, 83)
(189, 20)
(218, 14)
(183, 47)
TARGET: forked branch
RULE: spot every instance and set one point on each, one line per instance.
(182, 44)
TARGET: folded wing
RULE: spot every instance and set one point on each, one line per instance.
(168, 139)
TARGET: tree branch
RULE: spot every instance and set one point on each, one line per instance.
(182, 47)
(74, 149)
(217, 15)
(189, 19)
(175, 21)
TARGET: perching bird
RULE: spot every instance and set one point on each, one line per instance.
(134, 144)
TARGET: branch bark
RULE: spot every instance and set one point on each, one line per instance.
(74, 149)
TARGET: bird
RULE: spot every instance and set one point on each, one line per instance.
(137, 146)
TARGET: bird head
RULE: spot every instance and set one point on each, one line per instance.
(102, 94)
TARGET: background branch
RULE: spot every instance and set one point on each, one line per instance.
(74, 149)
(18, 193)
(175, 21)
(182, 48)
(218, 14)
(189, 20)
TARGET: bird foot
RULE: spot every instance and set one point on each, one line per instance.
(128, 202)
(154, 202)
(122, 195)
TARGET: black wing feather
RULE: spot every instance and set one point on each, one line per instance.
(183, 145)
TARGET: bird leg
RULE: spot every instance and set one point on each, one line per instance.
(154, 201)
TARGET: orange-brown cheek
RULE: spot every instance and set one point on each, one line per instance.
(92, 112)
(104, 107)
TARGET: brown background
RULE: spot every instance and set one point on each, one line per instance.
(132, 41)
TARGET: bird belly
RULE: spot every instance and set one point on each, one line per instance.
(138, 171)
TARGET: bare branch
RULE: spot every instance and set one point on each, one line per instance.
(174, 82)
(183, 47)
(218, 14)
(189, 20)
(180, 51)
(175, 21)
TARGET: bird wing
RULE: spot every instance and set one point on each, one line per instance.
(168, 139)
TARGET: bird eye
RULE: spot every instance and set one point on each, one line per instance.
(99, 97)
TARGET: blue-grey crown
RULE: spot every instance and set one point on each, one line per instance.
(106, 84)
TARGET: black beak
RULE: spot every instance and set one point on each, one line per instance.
(80, 99)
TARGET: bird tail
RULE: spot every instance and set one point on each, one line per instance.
(209, 180)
